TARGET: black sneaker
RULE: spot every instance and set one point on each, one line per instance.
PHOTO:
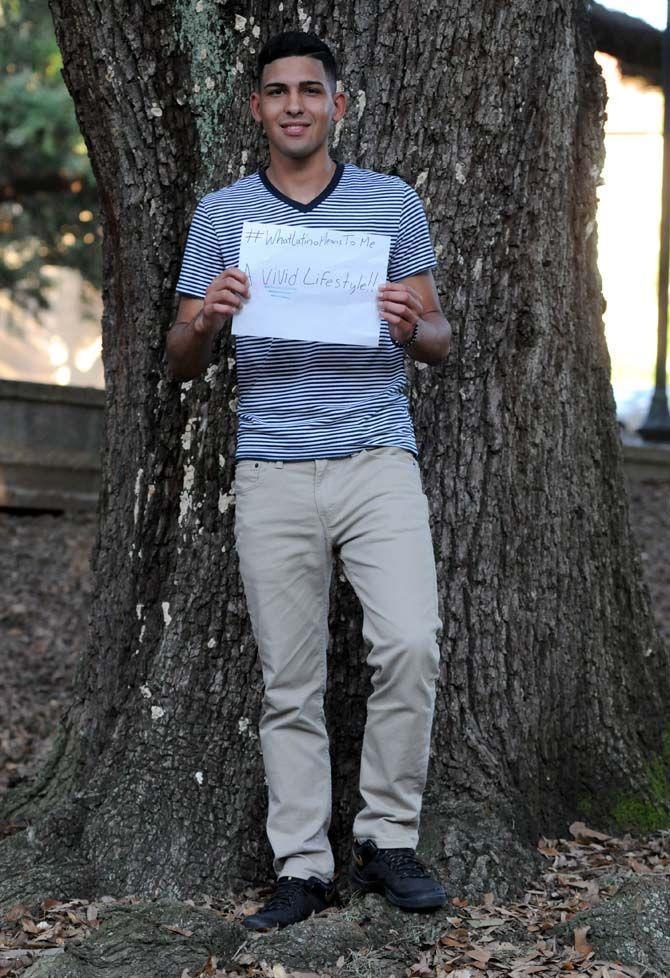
(294, 899)
(397, 873)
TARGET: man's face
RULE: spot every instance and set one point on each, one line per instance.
(296, 106)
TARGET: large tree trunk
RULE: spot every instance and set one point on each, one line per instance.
(555, 682)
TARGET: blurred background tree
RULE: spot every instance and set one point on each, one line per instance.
(48, 197)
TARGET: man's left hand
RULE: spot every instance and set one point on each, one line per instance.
(400, 305)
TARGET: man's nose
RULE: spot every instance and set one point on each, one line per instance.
(294, 106)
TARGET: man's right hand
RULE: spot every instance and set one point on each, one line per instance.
(223, 299)
(190, 341)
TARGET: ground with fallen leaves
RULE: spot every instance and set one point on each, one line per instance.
(488, 940)
(650, 520)
(45, 592)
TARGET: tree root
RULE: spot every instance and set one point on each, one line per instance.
(633, 927)
(29, 874)
(163, 938)
(477, 851)
(138, 940)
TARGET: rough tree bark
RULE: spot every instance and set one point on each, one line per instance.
(555, 682)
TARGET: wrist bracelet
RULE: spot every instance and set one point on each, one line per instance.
(411, 340)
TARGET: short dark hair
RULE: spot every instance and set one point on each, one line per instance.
(298, 44)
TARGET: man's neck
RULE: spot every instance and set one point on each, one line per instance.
(301, 180)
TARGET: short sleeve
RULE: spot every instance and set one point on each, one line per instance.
(202, 260)
(412, 251)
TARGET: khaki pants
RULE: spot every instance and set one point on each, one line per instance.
(289, 518)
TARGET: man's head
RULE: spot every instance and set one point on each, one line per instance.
(296, 97)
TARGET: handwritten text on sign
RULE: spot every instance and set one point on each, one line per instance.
(311, 283)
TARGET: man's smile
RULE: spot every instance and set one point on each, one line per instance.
(294, 128)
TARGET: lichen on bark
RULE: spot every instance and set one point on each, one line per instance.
(213, 50)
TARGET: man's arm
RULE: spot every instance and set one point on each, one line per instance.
(189, 350)
(415, 298)
(189, 341)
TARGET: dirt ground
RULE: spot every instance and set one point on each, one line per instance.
(650, 519)
(45, 594)
(44, 600)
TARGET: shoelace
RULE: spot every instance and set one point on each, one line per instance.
(284, 896)
(405, 863)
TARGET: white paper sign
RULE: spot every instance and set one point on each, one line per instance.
(311, 283)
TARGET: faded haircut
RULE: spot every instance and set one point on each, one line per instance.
(297, 44)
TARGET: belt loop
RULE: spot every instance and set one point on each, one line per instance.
(279, 465)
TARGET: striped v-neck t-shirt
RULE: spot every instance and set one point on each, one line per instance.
(301, 400)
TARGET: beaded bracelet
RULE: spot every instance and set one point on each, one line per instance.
(410, 341)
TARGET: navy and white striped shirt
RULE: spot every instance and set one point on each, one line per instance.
(304, 400)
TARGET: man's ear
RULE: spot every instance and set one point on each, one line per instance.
(341, 102)
(254, 99)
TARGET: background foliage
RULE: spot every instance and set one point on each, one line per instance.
(48, 200)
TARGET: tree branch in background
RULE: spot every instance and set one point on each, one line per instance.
(636, 44)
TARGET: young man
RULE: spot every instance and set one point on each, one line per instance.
(325, 461)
